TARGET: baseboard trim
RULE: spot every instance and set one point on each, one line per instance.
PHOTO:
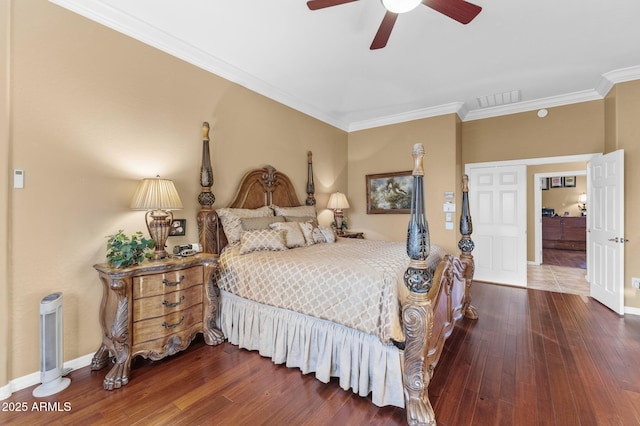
(632, 311)
(34, 378)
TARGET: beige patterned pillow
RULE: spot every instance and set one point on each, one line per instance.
(304, 211)
(293, 236)
(312, 233)
(262, 240)
(254, 223)
(230, 219)
(328, 233)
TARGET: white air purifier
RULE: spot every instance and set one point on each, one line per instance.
(51, 330)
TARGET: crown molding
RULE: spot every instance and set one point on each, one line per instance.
(452, 108)
(117, 20)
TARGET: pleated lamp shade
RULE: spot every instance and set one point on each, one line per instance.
(156, 194)
(338, 201)
(158, 197)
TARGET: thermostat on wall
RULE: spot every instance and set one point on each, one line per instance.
(18, 178)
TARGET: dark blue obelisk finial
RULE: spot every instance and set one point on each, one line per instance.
(418, 278)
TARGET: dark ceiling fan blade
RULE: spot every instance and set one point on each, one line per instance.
(321, 4)
(460, 10)
(384, 31)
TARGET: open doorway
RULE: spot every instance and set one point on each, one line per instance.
(560, 208)
(552, 166)
(559, 211)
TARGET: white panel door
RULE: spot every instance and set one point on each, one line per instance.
(605, 224)
(497, 198)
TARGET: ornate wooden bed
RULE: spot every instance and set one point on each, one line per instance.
(435, 299)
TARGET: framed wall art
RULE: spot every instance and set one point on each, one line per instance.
(569, 181)
(556, 182)
(544, 183)
(178, 227)
(389, 193)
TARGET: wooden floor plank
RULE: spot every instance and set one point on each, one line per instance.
(532, 358)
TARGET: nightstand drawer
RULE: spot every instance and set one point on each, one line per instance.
(155, 306)
(153, 285)
(161, 327)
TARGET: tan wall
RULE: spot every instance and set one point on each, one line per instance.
(388, 149)
(4, 196)
(567, 130)
(623, 109)
(93, 111)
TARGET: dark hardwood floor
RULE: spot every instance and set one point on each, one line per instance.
(532, 358)
(569, 258)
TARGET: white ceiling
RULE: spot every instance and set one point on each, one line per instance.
(319, 62)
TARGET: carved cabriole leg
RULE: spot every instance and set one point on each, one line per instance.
(417, 319)
(118, 376)
(101, 357)
(212, 335)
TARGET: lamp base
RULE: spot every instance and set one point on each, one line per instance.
(338, 216)
(158, 228)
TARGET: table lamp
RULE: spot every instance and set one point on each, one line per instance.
(338, 202)
(158, 197)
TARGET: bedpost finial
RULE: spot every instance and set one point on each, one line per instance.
(465, 183)
(205, 131)
(309, 157)
(418, 155)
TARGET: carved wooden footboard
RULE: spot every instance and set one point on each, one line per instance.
(435, 301)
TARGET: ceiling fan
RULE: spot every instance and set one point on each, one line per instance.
(459, 10)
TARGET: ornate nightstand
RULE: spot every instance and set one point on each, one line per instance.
(154, 310)
(347, 234)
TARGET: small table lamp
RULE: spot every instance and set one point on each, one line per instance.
(157, 196)
(582, 204)
(338, 202)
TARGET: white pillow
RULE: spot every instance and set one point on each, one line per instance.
(262, 240)
(304, 211)
(230, 219)
(293, 233)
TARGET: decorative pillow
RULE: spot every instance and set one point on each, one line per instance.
(300, 219)
(328, 233)
(299, 211)
(254, 223)
(230, 219)
(262, 240)
(293, 236)
(312, 233)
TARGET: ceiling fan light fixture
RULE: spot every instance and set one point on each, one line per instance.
(400, 6)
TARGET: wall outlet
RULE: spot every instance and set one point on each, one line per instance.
(635, 283)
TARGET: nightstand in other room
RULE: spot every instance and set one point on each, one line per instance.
(154, 310)
(347, 234)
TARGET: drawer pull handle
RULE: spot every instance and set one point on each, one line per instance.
(172, 284)
(173, 305)
(170, 326)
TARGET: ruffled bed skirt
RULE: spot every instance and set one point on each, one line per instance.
(360, 361)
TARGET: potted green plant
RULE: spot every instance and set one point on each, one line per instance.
(123, 251)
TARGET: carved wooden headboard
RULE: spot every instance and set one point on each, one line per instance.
(259, 187)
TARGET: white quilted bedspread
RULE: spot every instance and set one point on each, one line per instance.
(351, 282)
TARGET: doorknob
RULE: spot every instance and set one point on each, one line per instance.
(615, 240)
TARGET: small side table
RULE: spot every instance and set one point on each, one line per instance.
(154, 310)
(347, 234)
